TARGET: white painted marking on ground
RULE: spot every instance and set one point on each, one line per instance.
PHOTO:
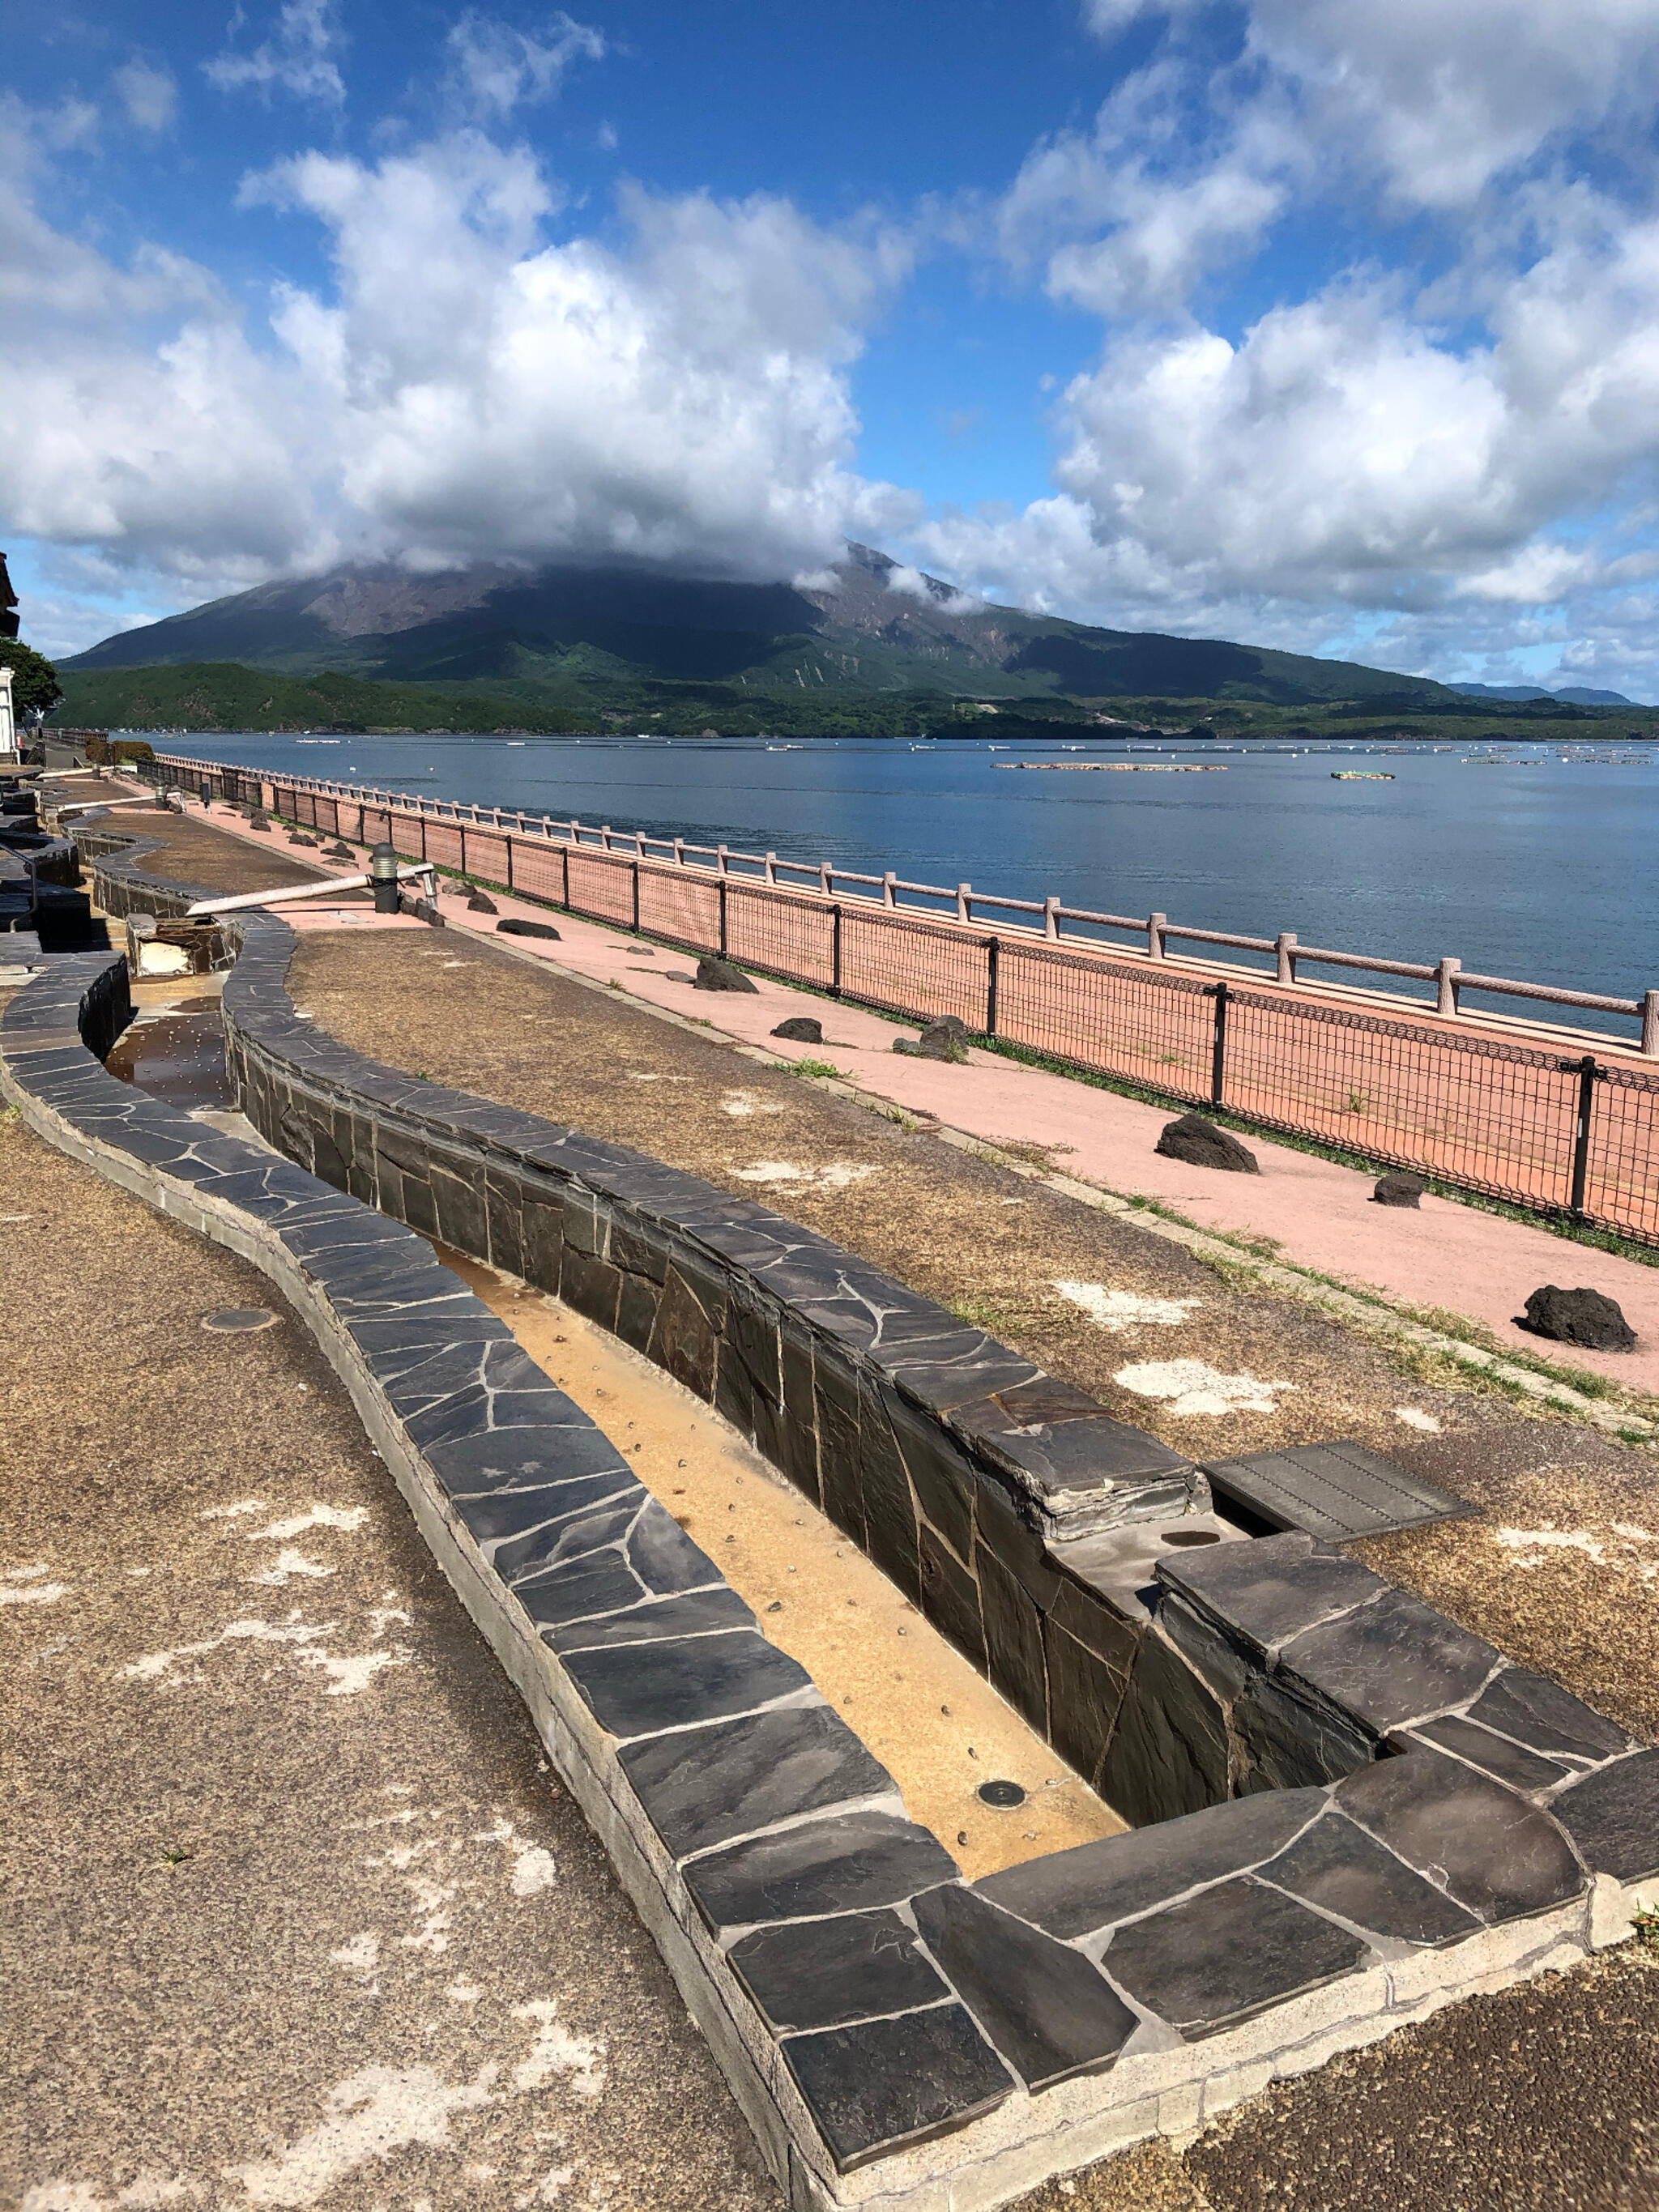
(1533, 1547)
(431, 1900)
(228, 1512)
(784, 1175)
(21, 1586)
(360, 1956)
(347, 1675)
(556, 2050)
(319, 1516)
(1116, 1310)
(290, 1564)
(741, 1104)
(1192, 1386)
(371, 2114)
(533, 1871)
(534, 1868)
(1415, 1418)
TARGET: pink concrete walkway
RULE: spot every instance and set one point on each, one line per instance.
(1320, 1215)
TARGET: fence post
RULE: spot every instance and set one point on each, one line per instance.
(890, 888)
(771, 867)
(1445, 975)
(826, 880)
(636, 898)
(461, 832)
(604, 835)
(509, 856)
(722, 891)
(679, 852)
(834, 952)
(992, 952)
(964, 903)
(1588, 1073)
(1650, 1024)
(1051, 917)
(1156, 926)
(1219, 993)
(1285, 948)
(722, 863)
(564, 855)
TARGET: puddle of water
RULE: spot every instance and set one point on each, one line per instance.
(939, 1729)
(176, 1053)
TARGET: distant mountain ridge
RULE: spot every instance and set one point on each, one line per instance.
(1576, 695)
(588, 637)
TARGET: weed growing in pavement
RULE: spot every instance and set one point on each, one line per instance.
(1646, 1927)
(813, 1067)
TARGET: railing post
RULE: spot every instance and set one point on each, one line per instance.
(1650, 1024)
(992, 961)
(639, 844)
(461, 833)
(834, 952)
(509, 856)
(564, 855)
(636, 898)
(722, 864)
(826, 880)
(547, 827)
(890, 888)
(771, 867)
(604, 835)
(1588, 1073)
(679, 852)
(722, 891)
(1445, 975)
(1051, 917)
(1284, 947)
(1218, 992)
(1156, 926)
(964, 903)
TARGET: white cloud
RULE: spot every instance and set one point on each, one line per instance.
(463, 389)
(150, 95)
(299, 58)
(495, 67)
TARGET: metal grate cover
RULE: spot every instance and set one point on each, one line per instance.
(1336, 1490)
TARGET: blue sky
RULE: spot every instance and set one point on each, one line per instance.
(1301, 321)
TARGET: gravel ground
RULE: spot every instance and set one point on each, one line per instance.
(294, 1913)
(193, 853)
(1561, 1566)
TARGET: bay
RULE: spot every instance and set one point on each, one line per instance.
(1533, 860)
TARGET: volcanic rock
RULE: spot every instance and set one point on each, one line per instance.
(1398, 1190)
(1586, 1318)
(715, 974)
(1200, 1144)
(800, 1028)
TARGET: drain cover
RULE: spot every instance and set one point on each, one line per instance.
(1002, 1795)
(1334, 1491)
(235, 1320)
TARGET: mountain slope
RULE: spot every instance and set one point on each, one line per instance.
(587, 637)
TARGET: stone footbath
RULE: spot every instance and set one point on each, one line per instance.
(1346, 1809)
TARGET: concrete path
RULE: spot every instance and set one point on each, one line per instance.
(1448, 1256)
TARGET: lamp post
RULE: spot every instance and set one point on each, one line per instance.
(383, 872)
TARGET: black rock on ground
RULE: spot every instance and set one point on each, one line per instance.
(1588, 1318)
(715, 974)
(1200, 1144)
(1399, 1190)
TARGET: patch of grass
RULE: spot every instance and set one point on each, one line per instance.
(980, 1313)
(809, 1067)
(1646, 1927)
(174, 1854)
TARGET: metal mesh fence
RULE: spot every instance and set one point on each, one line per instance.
(1522, 1124)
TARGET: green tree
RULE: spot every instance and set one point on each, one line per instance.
(34, 680)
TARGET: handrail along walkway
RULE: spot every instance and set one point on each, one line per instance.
(1554, 1130)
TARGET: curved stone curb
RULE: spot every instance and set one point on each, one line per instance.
(893, 2035)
